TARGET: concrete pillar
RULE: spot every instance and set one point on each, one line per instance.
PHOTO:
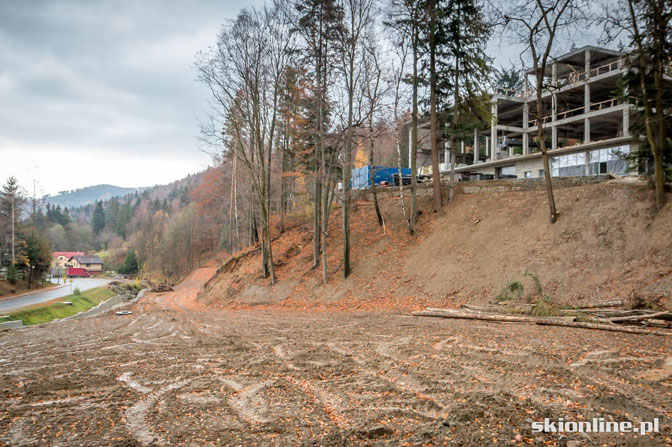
(554, 106)
(586, 98)
(526, 126)
(587, 64)
(587, 168)
(487, 146)
(446, 155)
(493, 131)
(626, 115)
(475, 147)
(586, 109)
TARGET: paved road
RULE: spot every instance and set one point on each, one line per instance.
(47, 295)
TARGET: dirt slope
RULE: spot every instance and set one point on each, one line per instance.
(607, 243)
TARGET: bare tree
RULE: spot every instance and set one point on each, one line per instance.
(537, 23)
(244, 73)
(408, 18)
(375, 88)
(648, 25)
(398, 69)
(357, 20)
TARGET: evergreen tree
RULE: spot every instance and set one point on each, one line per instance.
(38, 252)
(461, 33)
(98, 220)
(12, 274)
(509, 78)
(131, 264)
(11, 202)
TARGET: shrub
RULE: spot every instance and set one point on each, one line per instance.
(512, 292)
(12, 275)
(536, 281)
(76, 291)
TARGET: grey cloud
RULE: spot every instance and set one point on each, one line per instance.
(102, 74)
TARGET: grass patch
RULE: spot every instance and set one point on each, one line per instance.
(513, 291)
(44, 312)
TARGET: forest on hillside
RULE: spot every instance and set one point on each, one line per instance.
(165, 230)
(303, 91)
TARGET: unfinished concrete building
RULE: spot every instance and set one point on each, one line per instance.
(586, 124)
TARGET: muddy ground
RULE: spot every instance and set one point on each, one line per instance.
(174, 373)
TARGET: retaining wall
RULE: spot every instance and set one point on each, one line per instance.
(11, 324)
(485, 186)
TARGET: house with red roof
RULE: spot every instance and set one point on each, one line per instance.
(92, 263)
(59, 259)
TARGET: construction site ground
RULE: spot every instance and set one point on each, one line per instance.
(218, 365)
(178, 373)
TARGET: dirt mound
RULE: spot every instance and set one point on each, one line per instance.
(608, 243)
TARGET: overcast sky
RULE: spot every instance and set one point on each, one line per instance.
(103, 91)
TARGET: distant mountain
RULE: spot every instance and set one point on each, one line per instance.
(90, 194)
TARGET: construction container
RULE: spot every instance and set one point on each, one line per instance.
(361, 177)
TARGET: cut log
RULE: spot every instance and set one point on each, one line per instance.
(505, 318)
(561, 321)
(604, 327)
(602, 304)
(521, 308)
(446, 313)
(655, 315)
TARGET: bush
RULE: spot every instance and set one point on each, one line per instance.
(12, 275)
(512, 292)
(515, 291)
(76, 291)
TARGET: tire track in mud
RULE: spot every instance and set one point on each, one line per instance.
(431, 404)
(246, 403)
(291, 380)
(332, 406)
(136, 418)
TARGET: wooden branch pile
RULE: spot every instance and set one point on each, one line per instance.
(599, 316)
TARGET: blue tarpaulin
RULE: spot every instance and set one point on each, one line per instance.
(361, 177)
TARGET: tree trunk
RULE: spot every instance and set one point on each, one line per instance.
(401, 189)
(413, 146)
(235, 200)
(659, 148)
(282, 184)
(326, 173)
(452, 175)
(373, 184)
(542, 147)
(436, 174)
(319, 158)
(233, 176)
(456, 111)
(347, 172)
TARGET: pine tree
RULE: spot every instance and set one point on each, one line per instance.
(131, 264)
(98, 220)
(11, 201)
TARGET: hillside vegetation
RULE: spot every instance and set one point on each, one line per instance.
(79, 302)
(608, 243)
(90, 194)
